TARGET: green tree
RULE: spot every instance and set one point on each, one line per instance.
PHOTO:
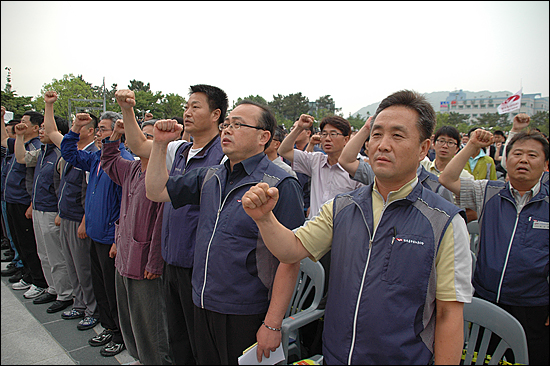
(324, 106)
(442, 120)
(172, 105)
(253, 98)
(456, 118)
(146, 100)
(357, 121)
(289, 107)
(540, 120)
(492, 120)
(70, 87)
(16, 104)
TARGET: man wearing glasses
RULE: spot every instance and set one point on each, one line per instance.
(446, 143)
(236, 281)
(328, 178)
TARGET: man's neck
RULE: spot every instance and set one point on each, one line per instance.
(272, 155)
(28, 138)
(523, 186)
(332, 158)
(301, 145)
(440, 164)
(200, 140)
(473, 156)
(82, 143)
(385, 187)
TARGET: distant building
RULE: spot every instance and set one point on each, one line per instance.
(473, 108)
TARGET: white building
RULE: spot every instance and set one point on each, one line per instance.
(457, 102)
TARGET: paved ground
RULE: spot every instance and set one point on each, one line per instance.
(31, 336)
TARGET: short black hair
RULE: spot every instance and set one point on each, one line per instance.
(35, 117)
(278, 134)
(337, 122)
(529, 135)
(266, 121)
(415, 101)
(450, 131)
(217, 99)
(499, 132)
(62, 124)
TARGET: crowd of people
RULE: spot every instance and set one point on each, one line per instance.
(183, 237)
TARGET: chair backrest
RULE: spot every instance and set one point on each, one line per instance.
(311, 277)
(494, 320)
(473, 230)
(474, 260)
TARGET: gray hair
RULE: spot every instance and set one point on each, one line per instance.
(113, 116)
(150, 122)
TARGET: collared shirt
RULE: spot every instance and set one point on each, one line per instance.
(240, 170)
(326, 180)
(316, 237)
(472, 193)
(432, 168)
(473, 161)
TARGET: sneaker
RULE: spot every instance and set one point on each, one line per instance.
(73, 314)
(21, 285)
(87, 323)
(18, 276)
(101, 339)
(112, 349)
(34, 291)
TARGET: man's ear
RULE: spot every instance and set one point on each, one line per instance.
(424, 147)
(216, 114)
(264, 137)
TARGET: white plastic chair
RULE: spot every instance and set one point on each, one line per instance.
(482, 314)
(310, 278)
(473, 230)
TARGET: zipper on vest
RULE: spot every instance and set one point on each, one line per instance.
(365, 272)
(508, 252)
(36, 181)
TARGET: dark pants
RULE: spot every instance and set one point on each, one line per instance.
(103, 281)
(180, 314)
(22, 233)
(222, 338)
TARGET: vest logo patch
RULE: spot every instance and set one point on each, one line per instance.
(410, 241)
(540, 225)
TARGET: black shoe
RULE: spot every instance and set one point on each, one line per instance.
(17, 276)
(5, 244)
(101, 339)
(59, 305)
(112, 349)
(45, 298)
(7, 256)
(10, 270)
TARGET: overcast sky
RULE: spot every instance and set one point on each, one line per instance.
(358, 52)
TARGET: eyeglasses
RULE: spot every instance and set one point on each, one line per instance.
(332, 134)
(236, 126)
(148, 135)
(448, 143)
(103, 129)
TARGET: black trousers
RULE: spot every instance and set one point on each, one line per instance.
(22, 233)
(180, 314)
(103, 280)
(222, 338)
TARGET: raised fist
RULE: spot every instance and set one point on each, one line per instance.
(21, 128)
(305, 121)
(50, 97)
(167, 130)
(481, 138)
(125, 98)
(82, 119)
(3, 111)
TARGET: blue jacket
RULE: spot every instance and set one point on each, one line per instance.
(44, 196)
(512, 263)
(381, 302)
(18, 177)
(102, 194)
(6, 165)
(233, 270)
(179, 227)
(72, 190)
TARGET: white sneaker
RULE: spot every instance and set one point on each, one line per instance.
(21, 285)
(33, 292)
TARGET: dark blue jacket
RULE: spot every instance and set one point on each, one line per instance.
(102, 205)
(381, 301)
(179, 227)
(44, 196)
(19, 177)
(512, 263)
(233, 270)
(72, 190)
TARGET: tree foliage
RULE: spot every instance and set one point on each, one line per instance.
(288, 108)
(357, 121)
(253, 98)
(540, 120)
(16, 104)
(490, 120)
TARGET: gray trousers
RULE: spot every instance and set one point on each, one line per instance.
(142, 319)
(48, 247)
(79, 267)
